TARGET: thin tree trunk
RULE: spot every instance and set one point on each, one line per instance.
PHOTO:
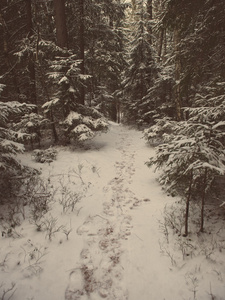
(188, 205)
(60, 21)
(161, 36)
(164, 45)
(31, 63)
(203, 201)
(54, 132)
(82, 49)
(177, 88)
(6, 52)
(118, 113)
(29, 18)
(149, 12)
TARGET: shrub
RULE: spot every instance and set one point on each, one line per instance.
(43, 156)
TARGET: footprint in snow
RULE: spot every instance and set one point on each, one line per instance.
(75, 289)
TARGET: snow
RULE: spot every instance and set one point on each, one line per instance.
(13, 147)
(64, 79)
(87, 120)
(100, 123)
(86, 136)
(55, 75)
(50, 103)
(84, 77)
(116, 249)
(72, 116)
(219, 124)
(1, 86)
(72, 90)
(82, 128)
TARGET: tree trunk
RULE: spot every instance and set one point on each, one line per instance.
(31, 63)
(60, 21)
(164, 45)
(188, 205)
(203, 201)
(6, 52)
(149, 12)
(161, 37)
(54, 132)
(29, 18)
(134, 7)
(118, 112)
(177, 88)
(82, 49)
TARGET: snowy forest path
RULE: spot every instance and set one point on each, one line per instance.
(117, 247)
(100, 271)
(120, 258)
(107, 236)
(112, 251)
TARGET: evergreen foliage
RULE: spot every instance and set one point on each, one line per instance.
(104, 57)
(82, 124)
(10, 144)
(188, 97)
(77, 121)
(31, 124)
(141, 70)
(192, 152)
(65, 74)
(43, 156)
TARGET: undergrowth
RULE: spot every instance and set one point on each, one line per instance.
(37, 201)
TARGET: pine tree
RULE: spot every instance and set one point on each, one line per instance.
(195, 93)
(192, 152)
(140, 74)
(194, 24)
(60, 21)
(99, 44)
(12, 28)
(11, 144)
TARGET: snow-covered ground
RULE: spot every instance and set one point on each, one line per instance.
(113, 243)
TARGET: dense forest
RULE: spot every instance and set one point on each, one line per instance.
(68, 66)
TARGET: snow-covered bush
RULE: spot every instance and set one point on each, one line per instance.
(43, 156)
(84, 125)
(65, 74)
(31, 124)
(157, 133)
(192, 155)
(77, 121)
(10, 167)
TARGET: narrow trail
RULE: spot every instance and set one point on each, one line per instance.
(100, 274)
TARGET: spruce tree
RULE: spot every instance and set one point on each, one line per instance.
(139, 76)
(192, 137)
(11, 143)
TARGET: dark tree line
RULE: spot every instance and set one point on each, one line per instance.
(87, 34)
